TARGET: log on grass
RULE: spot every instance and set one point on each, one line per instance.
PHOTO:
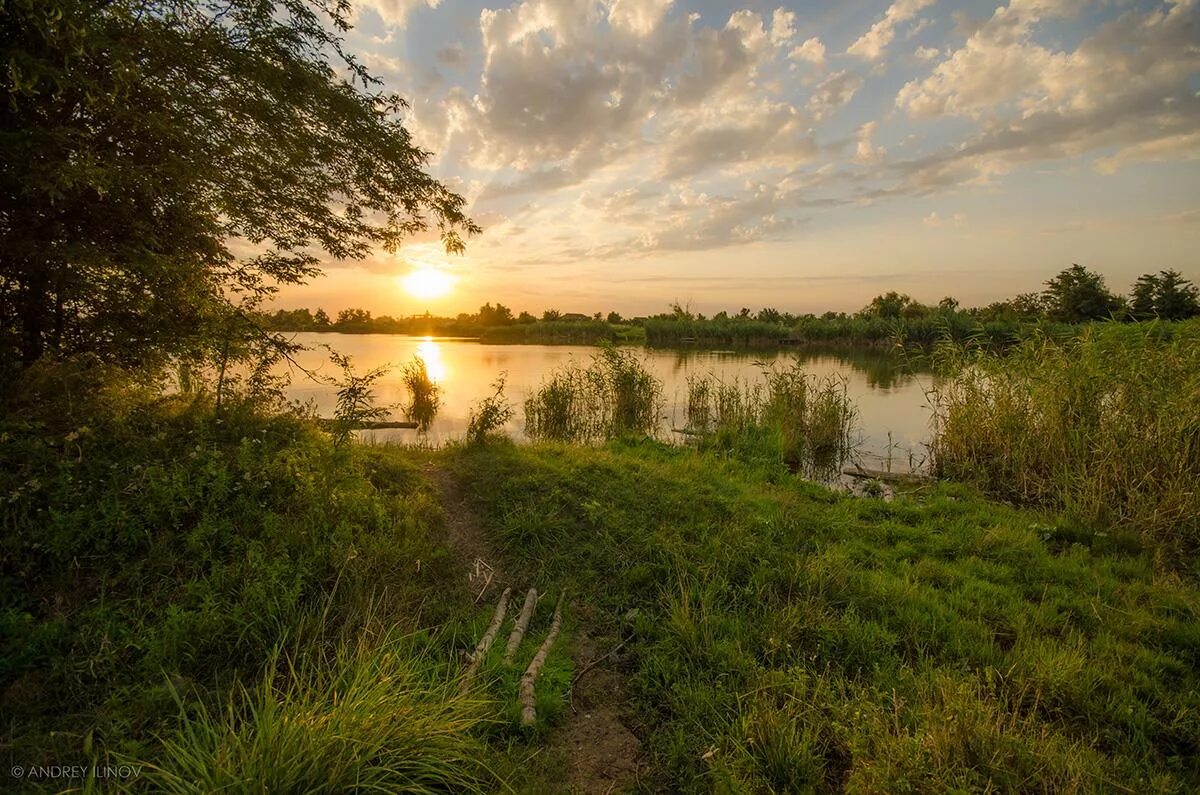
(368, 425)
(879, 474)
(485, 643)
(514, 640)
(528, 713)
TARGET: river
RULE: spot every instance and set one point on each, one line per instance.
(893, 413)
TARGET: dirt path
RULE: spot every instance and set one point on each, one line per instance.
(602, 754)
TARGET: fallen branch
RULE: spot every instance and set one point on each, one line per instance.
(514, 640)
(528, 714)
(485, 643)
(366, 425)
(588, 667)
(879, 474)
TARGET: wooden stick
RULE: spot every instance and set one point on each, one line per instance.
(528, 714)
(485, 642)
(369, 425)
(878, 474)
(514, 640)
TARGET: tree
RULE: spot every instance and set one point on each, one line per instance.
(525, 317)
(498, 315)
(889, 305)
(1145, 295)
(1176, 298)
(320, 319)
(1077, 295)
(614, 317)
(141, 139)
(770, 315)
(948, 305)
(551, 314)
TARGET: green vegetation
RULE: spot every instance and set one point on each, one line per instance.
(612, 396)
(488, 418)
(425, 397)
(1105, 426)
(157, 557)
(785, 639)
(792, 418)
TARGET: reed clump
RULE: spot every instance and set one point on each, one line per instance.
(425, 396)
(614, 395)
(792, 416)
(1105, 426)
(378, 713)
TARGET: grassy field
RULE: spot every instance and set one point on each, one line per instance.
(785, 639)
(240, 600)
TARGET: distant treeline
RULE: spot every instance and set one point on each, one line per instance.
(1076, 295)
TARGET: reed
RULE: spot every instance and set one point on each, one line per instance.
(614, 395)
(425, 395)
(791, 416)
(1105, 426)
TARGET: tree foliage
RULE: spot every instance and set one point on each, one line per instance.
(167, 161)
(1077, 295)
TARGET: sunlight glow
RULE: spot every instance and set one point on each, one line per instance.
(435, 365)
(428, 283)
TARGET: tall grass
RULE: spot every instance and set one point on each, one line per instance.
(613, 396)
(1105, 426)
(792, 415)
(376, 714)
(425, 396)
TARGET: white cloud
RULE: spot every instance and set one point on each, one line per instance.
(395, 13)
(927, 53)
(871, 45)
(812, 50)
(935, 221)
(832, 93)
(864, 152)
(1125, 87)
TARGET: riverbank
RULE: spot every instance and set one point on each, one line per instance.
(182, 592)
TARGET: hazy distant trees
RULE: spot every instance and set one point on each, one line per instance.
(614, 317)
(1165, 295)
(1077, 295)
(551, 314)
(498, 315)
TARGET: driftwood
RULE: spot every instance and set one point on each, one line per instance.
(485, 643)
(528, 713)
(514, 640)
(879, 474)
(367, 425)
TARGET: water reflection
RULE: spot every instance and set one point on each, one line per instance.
(888, 392)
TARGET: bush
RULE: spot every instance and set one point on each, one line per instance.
(1105, 426)
(611, 397)
(489, 417)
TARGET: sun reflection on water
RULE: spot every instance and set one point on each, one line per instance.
(431, 353)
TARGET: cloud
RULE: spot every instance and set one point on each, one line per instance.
(927, 53)
(812, 50)
(935, 221)
(1126, 87)
(832, 93)
(865, 153)
(871, 45)
(394, 13)
(452, 55)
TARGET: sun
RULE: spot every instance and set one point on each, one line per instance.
(427, 283)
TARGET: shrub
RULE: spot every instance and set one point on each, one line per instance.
(1105, 426)
(490, 416)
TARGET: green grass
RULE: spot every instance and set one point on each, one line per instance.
(229, 601)
(1105, 426)
(613, 395)
(786, 639)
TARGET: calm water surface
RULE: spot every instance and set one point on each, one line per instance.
(889, 398)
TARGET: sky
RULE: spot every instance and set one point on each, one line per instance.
(629, 154)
